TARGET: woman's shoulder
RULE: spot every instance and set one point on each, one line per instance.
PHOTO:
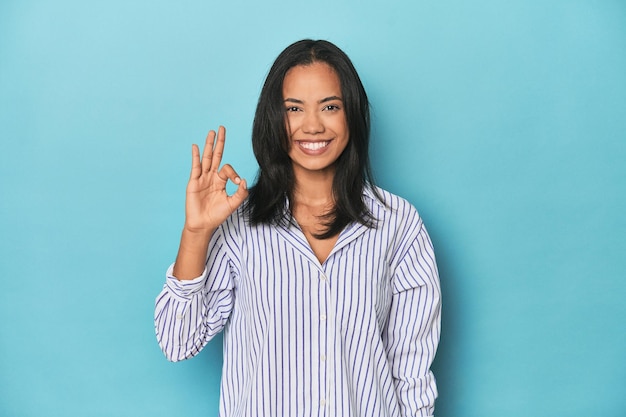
(385, 204)
(234, 224)
(397, 221)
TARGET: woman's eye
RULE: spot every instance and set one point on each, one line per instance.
(331, 107)
(292, 109)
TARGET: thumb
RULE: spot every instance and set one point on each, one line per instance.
(240, 195)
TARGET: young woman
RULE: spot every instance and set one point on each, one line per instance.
(326, 287)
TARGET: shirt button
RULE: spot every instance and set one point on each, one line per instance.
(322, 402)
(323, 317)
(179, 316)
(324, 277)
(323, 358)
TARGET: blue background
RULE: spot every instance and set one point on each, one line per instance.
(504, 123)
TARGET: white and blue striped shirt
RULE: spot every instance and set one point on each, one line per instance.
(352, 337)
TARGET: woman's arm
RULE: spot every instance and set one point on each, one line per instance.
(196, 300)
(189, 313)
(414, 327)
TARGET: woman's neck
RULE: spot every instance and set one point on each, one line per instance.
(312, 202)
(314, 188)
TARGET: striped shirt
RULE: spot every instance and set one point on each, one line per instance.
(352, 337)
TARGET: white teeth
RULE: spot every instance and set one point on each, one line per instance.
(313, 146)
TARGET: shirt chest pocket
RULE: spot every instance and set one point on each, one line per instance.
(362, 291)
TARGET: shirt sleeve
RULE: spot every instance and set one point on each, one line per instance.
(414, 327)
(190, 313)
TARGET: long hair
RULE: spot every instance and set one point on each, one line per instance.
(275, 182)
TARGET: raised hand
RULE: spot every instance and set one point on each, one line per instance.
(207, 204)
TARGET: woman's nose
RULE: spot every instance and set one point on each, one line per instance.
(312, 123)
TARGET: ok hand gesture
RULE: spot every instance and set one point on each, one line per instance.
(207, 204)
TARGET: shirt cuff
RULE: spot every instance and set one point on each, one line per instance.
(185, 288)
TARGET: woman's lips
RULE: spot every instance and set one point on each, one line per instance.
(313, 147)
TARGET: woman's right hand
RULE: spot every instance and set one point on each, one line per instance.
(207, 204)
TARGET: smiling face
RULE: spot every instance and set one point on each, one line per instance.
(316, 120)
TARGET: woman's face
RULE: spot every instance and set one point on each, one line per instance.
(316, 120)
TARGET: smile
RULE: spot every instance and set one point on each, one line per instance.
(313, 146)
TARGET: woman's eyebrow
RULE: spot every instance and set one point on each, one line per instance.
(324, 100)
(331, 98)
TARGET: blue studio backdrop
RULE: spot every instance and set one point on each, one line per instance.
(504, 123)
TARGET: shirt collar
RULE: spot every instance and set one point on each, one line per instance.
(370, 193)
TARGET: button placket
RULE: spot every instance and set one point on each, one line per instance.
(325, 333)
